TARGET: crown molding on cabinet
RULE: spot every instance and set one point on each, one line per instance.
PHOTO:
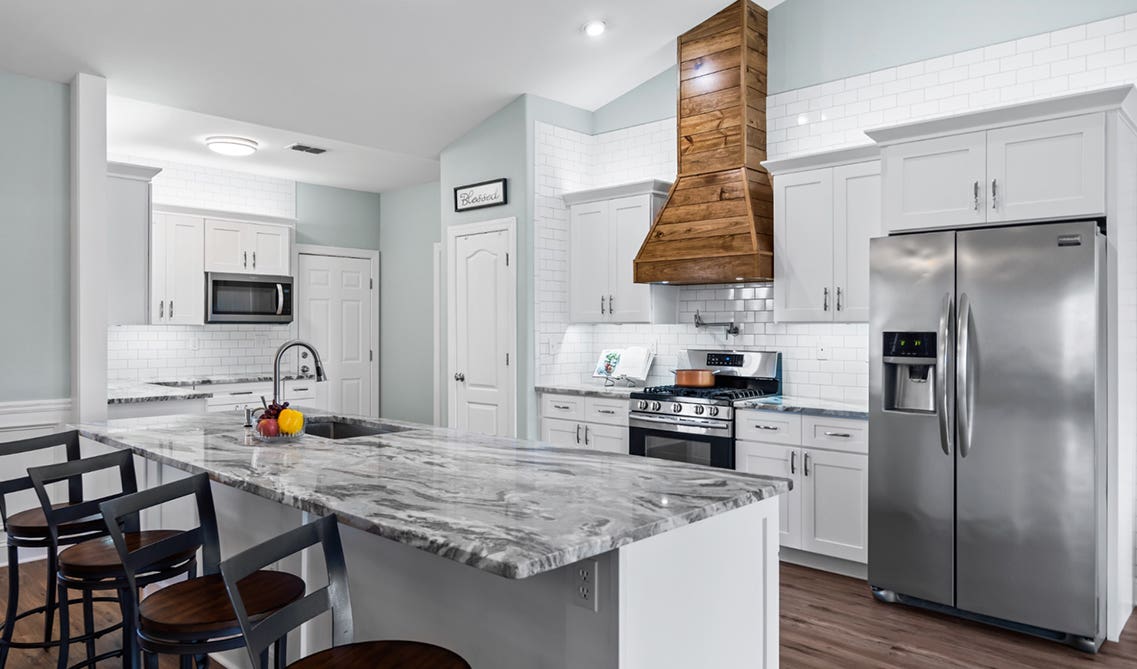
(813, 161)
(133, 172)
(218, 214)
(656, 186)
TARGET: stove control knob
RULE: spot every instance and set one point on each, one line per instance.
(656, 406)
(714, 411)
(676, 408)
(641, 405)
(699, 409)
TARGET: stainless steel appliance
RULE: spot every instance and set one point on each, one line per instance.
(247, 298)
(987, 446)
(696, 425)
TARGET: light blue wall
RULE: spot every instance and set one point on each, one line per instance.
(410, 228)
(35, 252)
(814, 41)
(653, 100)
(330, 216)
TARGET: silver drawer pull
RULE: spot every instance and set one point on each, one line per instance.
(607, 411)
(772, 428)
(842, 435)
(299, 390)
(242, 392)
(562, 407)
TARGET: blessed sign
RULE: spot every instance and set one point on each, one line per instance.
(476, 196)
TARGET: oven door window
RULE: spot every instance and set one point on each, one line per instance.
(679, 448)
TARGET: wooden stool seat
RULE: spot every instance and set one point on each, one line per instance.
(32, 524)
(98, 558)
(201, 606)
(383, 655)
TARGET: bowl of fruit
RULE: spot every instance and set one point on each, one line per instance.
(279, 424)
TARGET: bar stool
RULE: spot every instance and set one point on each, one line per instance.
(344, 654)
(28, 529)
(93, 565)
(191, 618)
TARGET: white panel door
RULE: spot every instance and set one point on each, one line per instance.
(483, 331)
(856, 220)
(565, 433)
(269, 248)
(803, 246)
(589, 262)
(935, 183)
(608, 438)
(834, 504)
(185, 273)
(629, 220)
(225, 249)
(335, 316)
(783, 462)
(1050, 169)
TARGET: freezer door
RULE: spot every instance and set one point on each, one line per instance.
(911, 465)
(1026, 499)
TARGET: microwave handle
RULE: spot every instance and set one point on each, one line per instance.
(279, 299)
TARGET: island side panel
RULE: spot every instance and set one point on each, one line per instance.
(703, 595)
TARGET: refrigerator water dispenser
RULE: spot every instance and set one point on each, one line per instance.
(909, 372)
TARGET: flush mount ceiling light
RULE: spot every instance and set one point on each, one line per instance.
(231, 146)
(595, 28)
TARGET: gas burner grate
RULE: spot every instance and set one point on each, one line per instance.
(731, 394)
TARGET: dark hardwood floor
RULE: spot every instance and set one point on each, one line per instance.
(827, 621)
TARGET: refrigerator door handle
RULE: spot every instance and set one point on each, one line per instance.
(943, 362)
(962, 391)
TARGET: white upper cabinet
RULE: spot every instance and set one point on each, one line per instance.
(129, 217)
(935, 183)
(826, 208)
(247, 248)
(606, 228)
(177, 275)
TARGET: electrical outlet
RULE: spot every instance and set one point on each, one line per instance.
(822, 353)
(194, 344)
(585, 582)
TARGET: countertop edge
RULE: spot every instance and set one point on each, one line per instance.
(618, 392)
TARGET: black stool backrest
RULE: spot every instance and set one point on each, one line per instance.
(71, 471)
(69, 440)
(118, 511)
(261, 634)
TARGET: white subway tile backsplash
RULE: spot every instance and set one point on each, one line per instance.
(173, 352)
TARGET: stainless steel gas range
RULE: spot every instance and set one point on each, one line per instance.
(696, 425)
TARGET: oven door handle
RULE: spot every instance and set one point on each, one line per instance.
(685, 422)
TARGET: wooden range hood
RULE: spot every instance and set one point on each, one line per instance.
(718, 223)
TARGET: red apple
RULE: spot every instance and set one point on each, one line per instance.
(268, 427)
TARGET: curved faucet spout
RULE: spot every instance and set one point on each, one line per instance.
(320, 376)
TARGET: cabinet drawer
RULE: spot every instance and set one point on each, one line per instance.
(609, 411)
(562, 406)
(841, 434)
(769, 426)
(299, 389)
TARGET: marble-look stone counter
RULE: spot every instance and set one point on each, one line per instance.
(510, 507)
(810, 406)
(589, 391)
(220, 380)
(134, 392)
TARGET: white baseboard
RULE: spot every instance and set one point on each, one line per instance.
(34, 414)
(825, 563)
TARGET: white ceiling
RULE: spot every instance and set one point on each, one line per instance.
(400, 79)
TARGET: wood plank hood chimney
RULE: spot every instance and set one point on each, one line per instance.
(717, 225)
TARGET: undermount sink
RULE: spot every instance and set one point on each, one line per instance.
(339, 430)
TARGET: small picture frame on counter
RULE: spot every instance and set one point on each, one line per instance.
(493, 193)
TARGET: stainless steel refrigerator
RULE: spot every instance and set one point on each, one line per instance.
(987, 425)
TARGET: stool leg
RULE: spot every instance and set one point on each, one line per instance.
(202, 661)
(89, 624)
(129, 633)
(151, 660)
(64, 626)
(13, 601)
(185, 662)
(49, 612)
(280, 652)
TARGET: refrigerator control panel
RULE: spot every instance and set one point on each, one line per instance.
(910, 344)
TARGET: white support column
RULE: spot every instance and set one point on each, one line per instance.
(88, 247)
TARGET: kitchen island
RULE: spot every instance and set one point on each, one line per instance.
(487, 539)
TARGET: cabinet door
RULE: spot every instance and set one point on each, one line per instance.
(803, 246)
(782, 461)
(935, 183)
(225, 249)
(629, 222)
(589, 252)
(158, 268)
(834, 504)
(567, 433)
(608, 438)
(856, 220)
(269, 248)
(185, 273)
(1050, 169)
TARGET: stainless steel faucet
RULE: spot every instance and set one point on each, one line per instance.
(320, 376)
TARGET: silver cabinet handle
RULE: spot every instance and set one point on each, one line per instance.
(299, 390)
(607, 411)
(943, 363)
(962, 391)
(279, 292)
(161, 309)
(994, 193)
(242, 392)
(839, 435)
(825, 304)
(562, 407)
(805, 460)
(578, 433)
(459, 376)
(611, 310)
(254, 259)
(601, 305)
(245, 259)
(772, 428)
(793, 462)
(975, 195)
(585, 435)
(839, 298)
(171, 308)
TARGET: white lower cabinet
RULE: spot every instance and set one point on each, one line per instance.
(826, 512)
(572, 421)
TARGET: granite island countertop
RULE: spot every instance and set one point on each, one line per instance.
(810, 406)
(511, 507)
(134, 392)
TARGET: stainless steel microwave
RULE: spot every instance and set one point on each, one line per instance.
(247, 298)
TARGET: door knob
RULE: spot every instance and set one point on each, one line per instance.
(459, 376)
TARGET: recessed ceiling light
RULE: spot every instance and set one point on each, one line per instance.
(595, 28)
(231, 146)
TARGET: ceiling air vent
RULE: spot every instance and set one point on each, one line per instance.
(304, 148)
